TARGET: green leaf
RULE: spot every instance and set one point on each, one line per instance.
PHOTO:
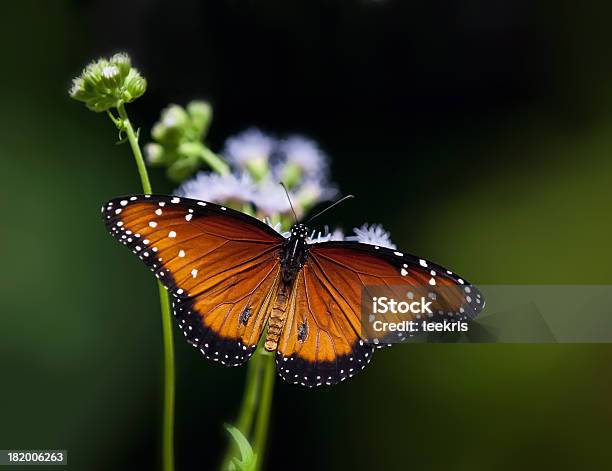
(248, 458)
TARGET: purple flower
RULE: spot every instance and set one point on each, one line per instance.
(223, 189)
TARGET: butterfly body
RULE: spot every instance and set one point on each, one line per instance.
(293, 256)
(234, 279)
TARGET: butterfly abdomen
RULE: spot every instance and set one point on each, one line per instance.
(277, 317)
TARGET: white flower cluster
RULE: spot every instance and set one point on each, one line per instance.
(259, 163)
(230, 189)
(373, 234)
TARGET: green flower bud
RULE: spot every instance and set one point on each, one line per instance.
(201, 116)
(77, 91)
(191, 149)
(258, 168)
(179, 133)
(311, 192)
(111, 77)
(106, 84)
(170, 129)
(154, 153)
(174, 116)
(135, 86)
(183, 168)
(123, 63)
(306, 199)
(291, 174)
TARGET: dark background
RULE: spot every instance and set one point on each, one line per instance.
(478, 132)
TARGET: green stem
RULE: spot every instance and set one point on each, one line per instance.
(247, 408)
(256, 403)
(168, 417)
(133, 140)
(268, 369)
(249, 400)
(214, 162)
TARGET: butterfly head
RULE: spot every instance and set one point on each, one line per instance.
(294, 253)
(299, 231)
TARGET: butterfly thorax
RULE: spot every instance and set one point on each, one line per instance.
(294, 254)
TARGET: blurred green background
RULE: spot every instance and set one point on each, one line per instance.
(479, 133)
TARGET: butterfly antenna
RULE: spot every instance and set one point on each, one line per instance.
(289, 199)
(347, 197)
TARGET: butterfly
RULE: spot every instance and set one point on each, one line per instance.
(230, 275)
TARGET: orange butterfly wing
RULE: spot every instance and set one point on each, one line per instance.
(220, 267)
(322, 341)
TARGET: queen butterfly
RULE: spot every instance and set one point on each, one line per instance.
(230, 275)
